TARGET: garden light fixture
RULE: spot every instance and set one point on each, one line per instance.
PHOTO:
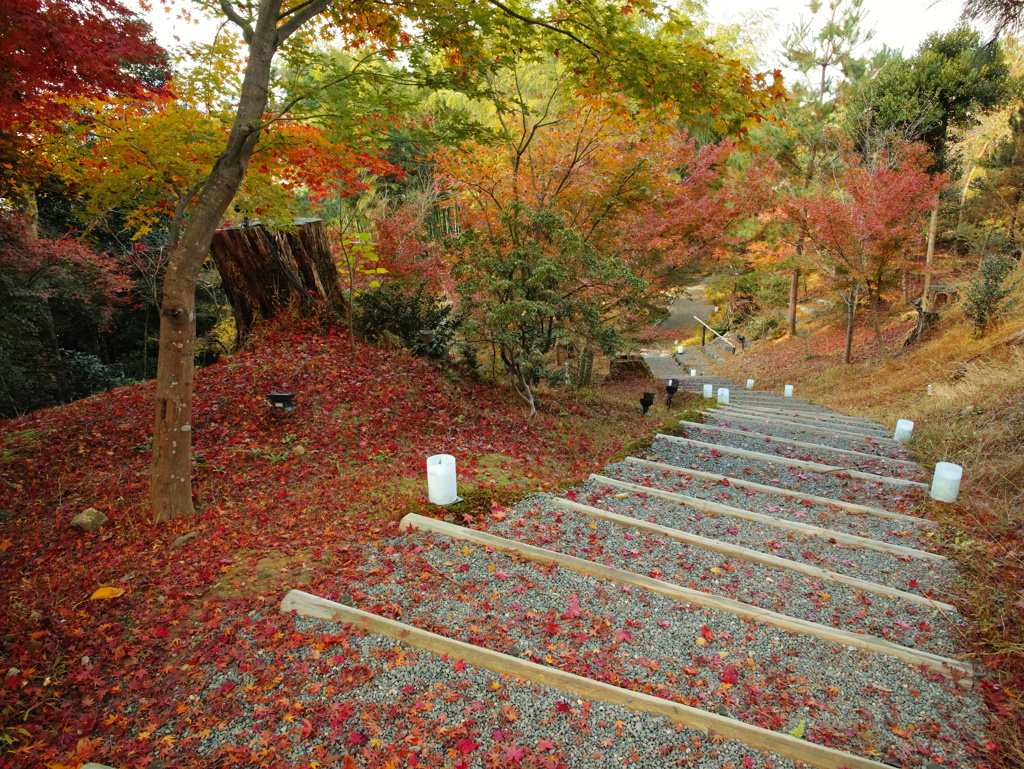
(646, 402)
(671, 388)
(283, 401)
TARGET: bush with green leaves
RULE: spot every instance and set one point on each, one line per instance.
(404, 312)
(987, 293)
(770, 289)
(763, 326)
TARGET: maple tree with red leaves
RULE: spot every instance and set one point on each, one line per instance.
(862, 224)
(51, 50)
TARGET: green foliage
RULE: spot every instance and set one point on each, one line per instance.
(987, 295)
(770, 289)
(534, 281)
(404, 312)
(763, 326)
(925, 98)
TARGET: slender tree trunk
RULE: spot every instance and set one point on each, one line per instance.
(929, 258)
(171, 468)
(875, 320)
(794, 290)
(851, 309)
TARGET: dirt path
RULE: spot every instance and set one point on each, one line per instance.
(688, 303)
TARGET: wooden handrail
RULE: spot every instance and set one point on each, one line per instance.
(705, 325)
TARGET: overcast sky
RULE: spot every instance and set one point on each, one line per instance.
(899, 24)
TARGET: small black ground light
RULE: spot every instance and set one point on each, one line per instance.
(671, 388)
(646, 402)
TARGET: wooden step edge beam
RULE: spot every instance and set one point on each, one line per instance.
(315, 607)
(811, 467)
(841, 429)
(714, 508)
(817, 427)
(798, 444)
(951, 668)
(851, 507)
(797, 427)
(753, 556)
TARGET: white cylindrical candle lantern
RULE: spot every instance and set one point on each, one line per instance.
(723, 395)
(693, 372)
(709, 391)
(750, 384)
(946, 482)
(441, 485)
(904, 429)
(787, 391)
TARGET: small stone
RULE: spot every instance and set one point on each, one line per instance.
(89, 519)
(346, 600)
(299, 450)
(184, 538)
(516, 649)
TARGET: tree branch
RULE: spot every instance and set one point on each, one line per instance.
(538, 23)
(236, 18)
(301, 15)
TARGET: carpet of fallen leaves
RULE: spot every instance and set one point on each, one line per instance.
(284, 500)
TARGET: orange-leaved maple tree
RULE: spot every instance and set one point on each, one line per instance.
(147, 162)
(470, 38)
(576, 216)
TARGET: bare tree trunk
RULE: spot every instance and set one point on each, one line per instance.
(794, 290)
(851, 309)
(171, 468)
(875, 320)
(929, 258)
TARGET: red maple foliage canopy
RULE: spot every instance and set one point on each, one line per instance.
(71, 48)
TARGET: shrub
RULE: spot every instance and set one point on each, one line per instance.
(987, 293)
(404, 312)
(763, 326)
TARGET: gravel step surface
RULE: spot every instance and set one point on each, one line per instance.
(878, 466)
(891, 450)
(364, 698)
(873, 493)
(374, 700)
(538, 522)
(928, 578)
(844, 697)
(867, 430)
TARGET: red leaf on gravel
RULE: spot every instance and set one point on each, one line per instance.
(623, 636)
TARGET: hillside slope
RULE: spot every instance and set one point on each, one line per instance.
(285, 501)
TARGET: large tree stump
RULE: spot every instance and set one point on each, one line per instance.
(267, 270)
